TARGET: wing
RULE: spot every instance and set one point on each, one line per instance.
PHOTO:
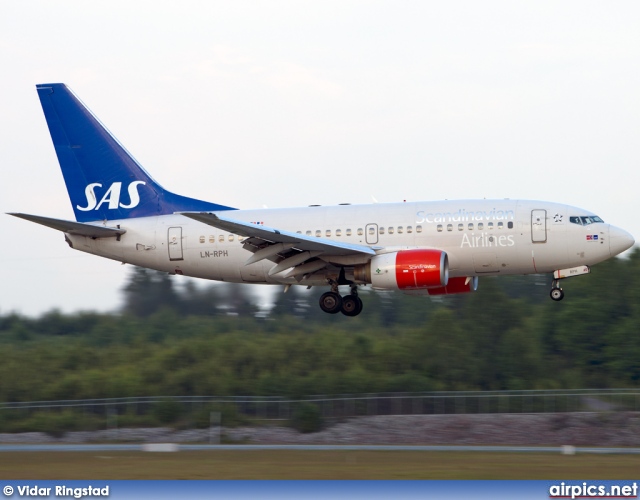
(70, 227)
(305, 254)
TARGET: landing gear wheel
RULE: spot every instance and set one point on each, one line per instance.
(351, 305)
(557, 294)
(331, 302)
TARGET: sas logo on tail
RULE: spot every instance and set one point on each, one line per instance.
(111, 197)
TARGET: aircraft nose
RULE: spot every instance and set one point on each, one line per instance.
(619, 240)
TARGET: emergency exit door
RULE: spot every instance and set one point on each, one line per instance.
(371, 234)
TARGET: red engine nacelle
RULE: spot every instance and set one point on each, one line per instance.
(456, 285)
(406, 270)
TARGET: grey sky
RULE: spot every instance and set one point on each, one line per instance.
(296, 103)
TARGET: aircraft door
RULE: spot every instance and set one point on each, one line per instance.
(371, 234)
(538, 226)
(175, 243)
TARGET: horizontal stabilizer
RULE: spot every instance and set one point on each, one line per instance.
(70, 227)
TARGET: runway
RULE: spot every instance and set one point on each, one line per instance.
(251, 447)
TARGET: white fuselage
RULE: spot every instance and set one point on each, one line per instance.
(480, 237)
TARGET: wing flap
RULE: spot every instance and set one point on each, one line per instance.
(268, 251)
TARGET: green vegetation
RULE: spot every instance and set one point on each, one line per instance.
(176, 339)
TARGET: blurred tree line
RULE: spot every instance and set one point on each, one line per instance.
(174, 337)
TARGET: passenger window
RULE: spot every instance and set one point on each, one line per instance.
(510, 225)
(360, 231)
(390, 230)
(409, 229)
(231, 237)
(449, 227)
(480, 226)
(489, 226)
(308, 233)
(338, 232)
(201, 239)
(212, 239)
(381, 230)
(500, 225)
(418, 229)
(327, 233)
(399, 229)
(439, 228)
(221, 238)
(348, 232)
(372, 231)
(298, 232)
(460, 227)
(318, 233)
(471, 226)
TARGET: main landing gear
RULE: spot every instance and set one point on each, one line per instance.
(349, 305)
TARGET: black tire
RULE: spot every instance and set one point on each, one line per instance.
(351, 305)
(556, 294)
(331, 302)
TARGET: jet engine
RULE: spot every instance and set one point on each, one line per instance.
(417, 269)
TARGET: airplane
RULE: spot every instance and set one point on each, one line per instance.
(422, 248)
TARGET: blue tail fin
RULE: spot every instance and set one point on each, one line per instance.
(103, 180)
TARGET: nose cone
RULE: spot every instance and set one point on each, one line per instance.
(619, 240)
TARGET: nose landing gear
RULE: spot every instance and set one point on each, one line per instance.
(556, 292)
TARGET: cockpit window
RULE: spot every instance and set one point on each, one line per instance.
(585, 220)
